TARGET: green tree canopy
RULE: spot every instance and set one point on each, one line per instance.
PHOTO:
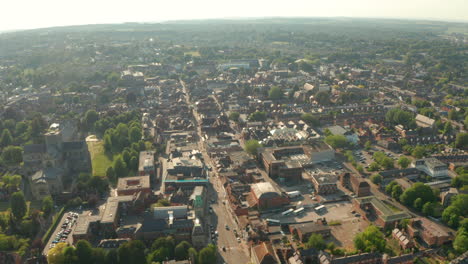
(257, 116)
(310, 119)
(47, 205)
(234, 116)
(207, 255)
(6, 139)
(336, 141)
(461, 141)
(275, 93)
(376, 178)
(251, 146)
(18, 205)
(404, 162)
(316, 241)
(370, 240)
(12, 155)
(418, 190)
(120, 167)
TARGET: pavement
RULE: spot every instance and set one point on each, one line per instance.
(222, 216)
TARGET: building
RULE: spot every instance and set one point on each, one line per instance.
(378, 212)
(305, 230)
(263, 254)
(287, 163)
(432, 167)
(198, 201)
(184, 172)
(402, 239)
(430, 232)
(264, 196)
(325, 183)
(176, 221)
(356, 184)
(425, 122)
(50, 162)
(349, 135)
(133, 185)
(199, 236)
(366, 258)
(146, 163)
(46, 182)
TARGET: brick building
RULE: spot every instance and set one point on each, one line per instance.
(133, 185)
(430, 232)
(305, 230)
(378, 212)
(356, 184)
(264, 196)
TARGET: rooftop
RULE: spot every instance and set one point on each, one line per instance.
(387, 213)
(133, 183)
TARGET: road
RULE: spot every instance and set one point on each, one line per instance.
(222, 216)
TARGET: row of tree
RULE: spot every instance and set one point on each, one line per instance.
(134, 251)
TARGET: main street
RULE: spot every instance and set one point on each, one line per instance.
(221, 217)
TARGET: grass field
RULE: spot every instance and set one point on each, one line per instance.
(100, 161)
(32, 205)
(193, 53)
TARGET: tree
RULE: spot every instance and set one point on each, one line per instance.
(234, 116)
(418, 203)
(322, 98)
(69, 255)
(110, 174)
(376, 179)
(461, 140)
(453, 214)
(193, 254)
(12, 155)
(397, 116)
(181, 251)
(418, 190)
(275, 93)
(418, 152)
(396, 191)
(403, 162)
(134, 134)
(368, 145)
(316, 241)
(336, 141)
(370, 240)
(84, 252)
(460, 244)
(120, 167)
(374, 166)
(90, 118)
(47, 204)
(447, 128)
(18, 205)
(55, 255)
(207, 255)
(251, 146)
(257, 116)
(6, 138)
(132, 252)
(112, 257)
(428, 209)
(310, 119)
(11, 182)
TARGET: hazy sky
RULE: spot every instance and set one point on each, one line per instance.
(23, 14)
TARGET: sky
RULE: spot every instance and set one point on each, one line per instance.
(28, 14)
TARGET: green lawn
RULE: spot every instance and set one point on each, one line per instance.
(100, 161)
(193, 53)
